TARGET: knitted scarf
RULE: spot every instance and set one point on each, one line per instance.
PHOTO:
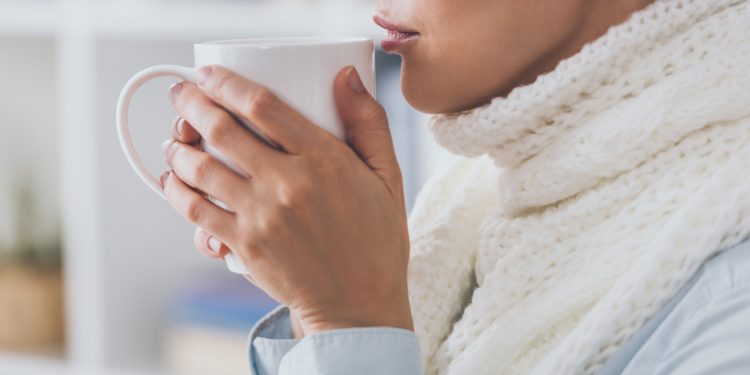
(575, 207)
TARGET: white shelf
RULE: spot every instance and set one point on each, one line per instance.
(28, 18)
(168, 20)
(27, 364)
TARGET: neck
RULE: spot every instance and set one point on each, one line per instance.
(600, 15)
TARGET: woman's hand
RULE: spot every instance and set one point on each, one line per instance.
(206, 244)
(320, 223)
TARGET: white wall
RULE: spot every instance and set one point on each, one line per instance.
(28, 133)
(140, 232)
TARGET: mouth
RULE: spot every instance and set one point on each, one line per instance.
(396, 36)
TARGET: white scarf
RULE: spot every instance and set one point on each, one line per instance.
(589, 197)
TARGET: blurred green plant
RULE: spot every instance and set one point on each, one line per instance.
(37, 245)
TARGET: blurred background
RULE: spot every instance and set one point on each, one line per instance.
(97, 274)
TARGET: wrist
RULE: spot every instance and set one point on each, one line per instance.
(344, 318)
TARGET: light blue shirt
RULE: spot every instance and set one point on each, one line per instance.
(704, 329)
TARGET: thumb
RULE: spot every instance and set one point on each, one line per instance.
(365, 123)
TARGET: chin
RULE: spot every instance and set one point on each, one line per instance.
(429, 94)
(420, 102)
(424, 97)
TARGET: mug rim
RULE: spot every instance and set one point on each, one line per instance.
(283, 42)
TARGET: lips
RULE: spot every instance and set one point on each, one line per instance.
(397, 36)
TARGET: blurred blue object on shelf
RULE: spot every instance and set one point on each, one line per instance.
(223, 302)
(209, 321)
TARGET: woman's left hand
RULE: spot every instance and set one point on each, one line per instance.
(320, 223)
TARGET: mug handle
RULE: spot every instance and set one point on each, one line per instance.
(123, 106)
(123, 132)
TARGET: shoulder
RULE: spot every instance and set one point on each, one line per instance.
(720, 295)
(727, 271)
(709, 329)
(720, 279)
(715, 338)
(705, 328)
(718, 290)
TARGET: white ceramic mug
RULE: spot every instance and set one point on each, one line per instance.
(301, 71)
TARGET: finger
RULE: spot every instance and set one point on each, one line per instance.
(281, 123)
(209, 245)
(365, 122)
(183, 132)
(221, 130)
(196, 208)
(203, 172)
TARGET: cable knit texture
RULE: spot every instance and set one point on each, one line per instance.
(574, 208)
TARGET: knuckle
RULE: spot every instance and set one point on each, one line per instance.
(375, 112)
(288, 197)
(220, 128)
(193, 211)
(298, 194)
(267, 226)
(264, 225)
(260, 103)
(220, 78)
(202, 169)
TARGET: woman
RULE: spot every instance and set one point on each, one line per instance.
(592, 219)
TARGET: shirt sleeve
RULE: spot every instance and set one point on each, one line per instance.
(365, 351)
(716, 340)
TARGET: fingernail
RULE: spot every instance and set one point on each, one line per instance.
(214, 244)
(178, 126)
(163, 178)
(355, 83)
(174, 91)
(204, 73)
